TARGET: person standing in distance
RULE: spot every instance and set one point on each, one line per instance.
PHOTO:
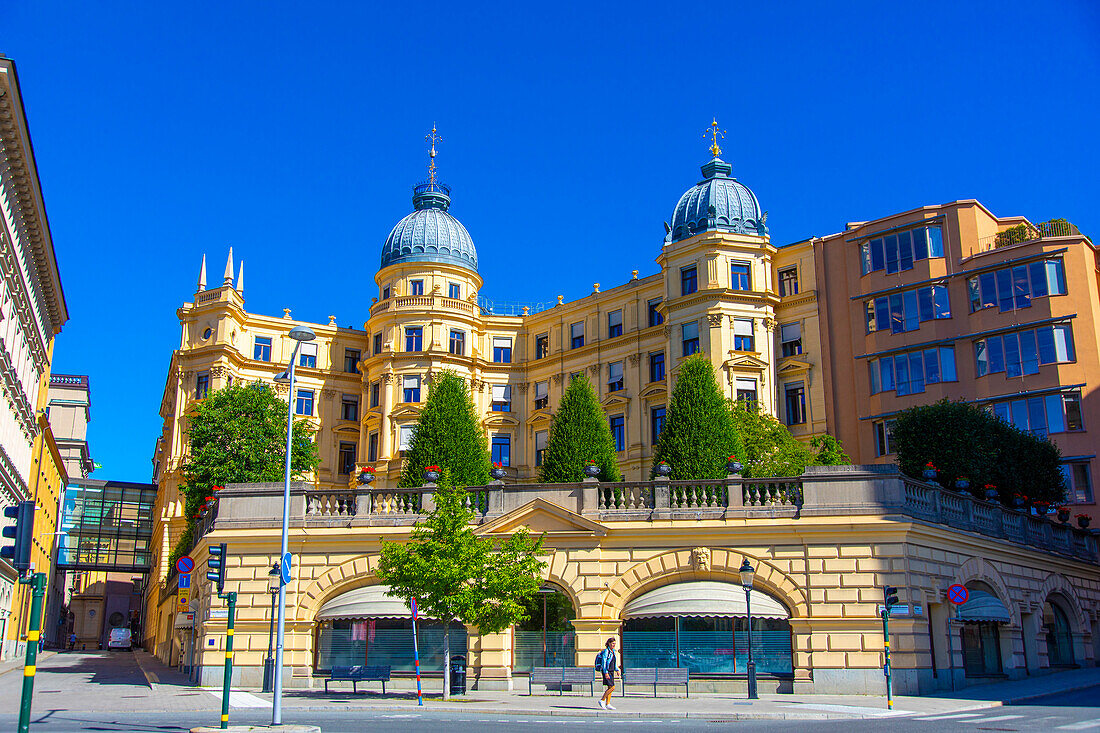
(607, 663)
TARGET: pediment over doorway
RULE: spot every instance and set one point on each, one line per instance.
(540, 516)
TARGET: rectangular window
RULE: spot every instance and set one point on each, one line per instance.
(1013, 288)
(892, 256)
(502, 449)
(614, 376)
(385, 292)
(1078, 482)
(457, 345)
(689, 280)
(261, 348)
(405, 437)
(897, 252)
(202, 385)
(904, 311)
(375, 392)
(788, 281)
(878, 254)
(502, 350)
(742, 335)
(657, 366)
(303, 405)
(576, 333)
(542, 437)
(414, 338)
(542, 395)
(882, 430)
(741, 276)
(307, 356)
(656, 423)
(1042, 416)
(416, 287)
(454, 290)
(351, 360)
(790, 339)
(378, 343)
(746, 390)
(410, 386)
(690, 337)
(618, 432)
(502, 398)
(1017, 354)
(372, 447)
(795, 401)
(542, 345)
(346, 458)
(615, 323)
(349, 407)
(654, 313)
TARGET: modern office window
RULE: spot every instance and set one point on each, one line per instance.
(911, 372)
(502, 449)
(883, 437)
(303, 405)
(790, 339)
(261, 348)
(345, 459)
(542, 395)
(385, 292)
(1042, 415)
(372, 447)
(542, 437)
(405, 437)
(1013, 288)
(410, 386)
(654, 313)
(656, 423)
(742, 335)
(689, 280)
(741, 276)
(202, 385)
(898, 251)
(618, 431)
(349, 407)
(1023, 352)
(690, 337)
(746, 390)
(904, 311)
(414, 338)
(614, 376)
(307, 355)
(542, 345)
(615, 323)
(794, 400)
(416, 287)
(576, 332)
(502, 398)
(1078, 482)
(378, 343)
(656, 366)
(502, 350)
(458, 343)
(351, 360)
(375, 393)
(454, 290)
(788, 281)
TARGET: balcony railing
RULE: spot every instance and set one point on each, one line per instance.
(423, 302)
(1028, 232)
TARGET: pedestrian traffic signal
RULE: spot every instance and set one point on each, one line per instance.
(890, 596)
(216, 562)
(22, 533)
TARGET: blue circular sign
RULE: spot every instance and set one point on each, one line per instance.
(185, 564)
(284, 568)
(958, 594)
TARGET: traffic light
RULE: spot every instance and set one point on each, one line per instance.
(890, 596)
(217, 566)
(22, 532)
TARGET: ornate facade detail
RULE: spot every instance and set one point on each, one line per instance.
(714, 320)
(769, 323)
(556, 378)
(700, 559)
(523, 387)
(634, 359)
(217, 371)
(328, 393)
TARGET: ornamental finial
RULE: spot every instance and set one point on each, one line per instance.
(714, 133)
(433, 138)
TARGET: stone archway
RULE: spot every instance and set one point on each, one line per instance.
(977, 568)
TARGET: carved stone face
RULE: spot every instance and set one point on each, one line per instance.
(700, 558)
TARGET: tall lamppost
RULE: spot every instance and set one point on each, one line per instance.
(274, 580)
(299, 334)
(747, 572)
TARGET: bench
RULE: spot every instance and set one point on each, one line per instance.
(562, 676)
(656, 676)
(360, 673)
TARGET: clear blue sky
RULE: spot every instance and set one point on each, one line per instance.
(293, 131)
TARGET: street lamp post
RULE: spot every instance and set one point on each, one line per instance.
(747, 572)
(299, 334)
(274, 580)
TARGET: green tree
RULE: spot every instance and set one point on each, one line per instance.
(580, 432)
(770, 449)
(238, 435)
(699, 434)
(829, 451)
(454, 575)
(448, 434)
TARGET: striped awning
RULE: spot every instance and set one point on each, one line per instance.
(983, 606)
(703, 598)
(367, 602)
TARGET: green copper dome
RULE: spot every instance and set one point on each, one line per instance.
(430, 233)
(717, 203)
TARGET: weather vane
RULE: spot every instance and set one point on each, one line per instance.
(433, 139)
(714, 133)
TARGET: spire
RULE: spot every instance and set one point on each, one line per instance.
(240, 279)
(202, 274)
(714, 133)
(227, 279)
(433, 138)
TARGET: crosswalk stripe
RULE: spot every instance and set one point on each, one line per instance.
(997, 717)
(953, 716)
(1083, 725)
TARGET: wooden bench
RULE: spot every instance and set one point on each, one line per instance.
(360, 673)
(562, 676)
(656, 676)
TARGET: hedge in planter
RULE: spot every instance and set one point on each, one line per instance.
(580, 431)
(448, 434)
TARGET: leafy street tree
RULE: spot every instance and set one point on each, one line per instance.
(699, 434)
(448, 434)
(580, 432)
(238, 435)
(454, 575)
(829, 451)
(771, 450)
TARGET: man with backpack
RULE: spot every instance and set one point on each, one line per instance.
(607, 663)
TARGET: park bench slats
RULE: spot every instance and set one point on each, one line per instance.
(656, 676)
(360, 673)
(562, 676)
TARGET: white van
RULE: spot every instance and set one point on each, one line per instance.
(119, 639)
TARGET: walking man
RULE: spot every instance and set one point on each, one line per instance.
(607, 663)
(72, 641)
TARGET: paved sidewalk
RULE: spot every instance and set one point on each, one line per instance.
(17, 662)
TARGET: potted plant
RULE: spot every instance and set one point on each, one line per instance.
(1083, 520)
(431, 474)
(1063, 514)
(1019, 500)
(991, 493)
(929, 471)
(497, 471)
(663, 469)
(1042, 508)
(733, 465)
(962, 483)
(366, 475)
(591, 470)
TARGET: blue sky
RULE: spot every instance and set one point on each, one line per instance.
(294, 131)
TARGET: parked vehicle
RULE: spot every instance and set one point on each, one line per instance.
(119, 639)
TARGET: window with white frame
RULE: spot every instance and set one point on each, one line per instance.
(542, 437)
(410, 388)
(790, 338)
(742, 335)
(454, 290)
(502, 350)
(502, 398)
(542, 395)
(404, 437)
(303, 404)
(614, 376)
(746, 390)
(349, 407)
(261, 348)
(307, 355)
(1078, 481)
(883, 437)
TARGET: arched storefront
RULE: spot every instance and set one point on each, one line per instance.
(982, 617)
(1059, 635)
(547, 638)
(366, 626)
(703, 625)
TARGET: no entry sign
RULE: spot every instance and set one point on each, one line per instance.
(958, 594)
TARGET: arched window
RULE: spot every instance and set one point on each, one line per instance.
(1058, 634)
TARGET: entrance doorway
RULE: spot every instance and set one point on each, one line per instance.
(546, 638)
(1058, 635)
(981, 642)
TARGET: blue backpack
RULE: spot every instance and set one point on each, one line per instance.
(602, 661)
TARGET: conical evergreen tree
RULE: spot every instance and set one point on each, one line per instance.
(699, 434)
(580, 431)
(448, 434)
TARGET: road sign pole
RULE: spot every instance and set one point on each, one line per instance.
(886, 667)
(416, 658)
(38, 592)
(228, 676)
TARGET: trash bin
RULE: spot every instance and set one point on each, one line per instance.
(458, 675)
